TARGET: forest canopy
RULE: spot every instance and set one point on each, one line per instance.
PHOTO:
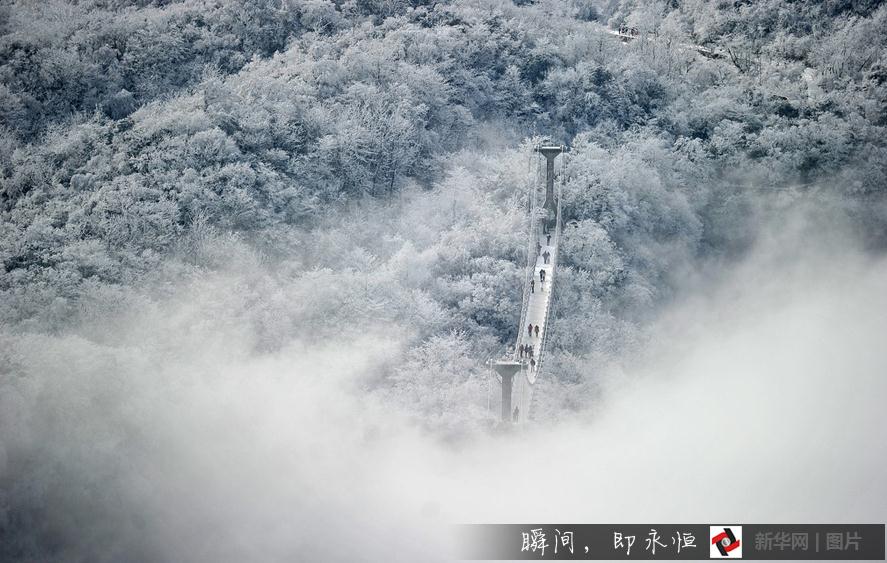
(386, 144)
(317, 171)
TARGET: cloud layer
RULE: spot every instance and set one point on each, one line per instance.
(758, 399)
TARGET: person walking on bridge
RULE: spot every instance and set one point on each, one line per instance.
(541, 275)
(536, 330)
(520, 351)
(532, 286)
(548, 239)
(538, 248)
(530, 330)
(516, 414)
(546, 256)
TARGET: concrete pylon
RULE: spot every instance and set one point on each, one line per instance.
(507, 370)
(550, 152)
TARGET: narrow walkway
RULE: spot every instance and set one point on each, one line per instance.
(540, 300)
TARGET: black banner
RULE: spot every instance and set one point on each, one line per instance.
(670, 541)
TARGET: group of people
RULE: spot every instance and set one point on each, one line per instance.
(546, 256)
(527, 350)
(541, 281)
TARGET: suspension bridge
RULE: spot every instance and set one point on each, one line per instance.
(518, 371)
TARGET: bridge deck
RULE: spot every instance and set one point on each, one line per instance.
(540, 300)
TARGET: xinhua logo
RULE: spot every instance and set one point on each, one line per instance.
(725, 542)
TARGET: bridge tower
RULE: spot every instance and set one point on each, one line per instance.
(507, 369)
(550, 152)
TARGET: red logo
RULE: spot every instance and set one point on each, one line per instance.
(726, 542)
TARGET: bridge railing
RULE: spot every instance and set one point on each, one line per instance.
(529, 272)
(528, 406)
(550, 303)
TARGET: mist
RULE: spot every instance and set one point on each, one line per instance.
(756, 397)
